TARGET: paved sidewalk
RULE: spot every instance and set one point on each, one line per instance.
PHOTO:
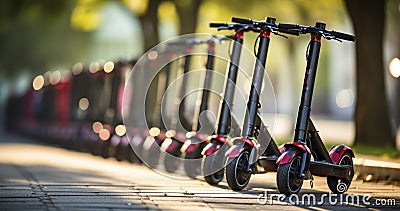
(38, 177)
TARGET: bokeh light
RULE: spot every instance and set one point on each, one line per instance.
(154, 131)
(84, 104)
(110, 112)
(104, 134)
(97, 127)
(109, 67)
(345, 98)
(120, 130)
(94, 67)
(38, 82)
(394, 67)
(55, 77)
(77, 68)
(152, 55)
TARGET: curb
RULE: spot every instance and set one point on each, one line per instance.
(376, 170)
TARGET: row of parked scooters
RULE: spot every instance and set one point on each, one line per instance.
(241, 152)
(213, 149)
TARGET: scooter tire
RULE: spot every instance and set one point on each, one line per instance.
(236, 172)
(338, 185)
(286, 177)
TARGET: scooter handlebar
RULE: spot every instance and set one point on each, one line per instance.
(288, 27)
(216, 25)
(344, 36)
(298, 29)
(242, 20)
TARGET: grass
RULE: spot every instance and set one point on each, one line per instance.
(384, 152)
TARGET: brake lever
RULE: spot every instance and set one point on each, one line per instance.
(331, 37)
(278, 34)
(223, 28)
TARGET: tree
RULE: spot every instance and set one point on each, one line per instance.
(35, 35)
(149, 23)
(372, 120)
(188, 11)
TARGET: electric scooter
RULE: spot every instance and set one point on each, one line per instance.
(202, 126)
(255, 148)
(156, 134)
(175, 136)
(295, 164)
(213, 161)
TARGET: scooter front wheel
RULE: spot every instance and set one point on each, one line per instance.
(211, 177)
(237, 174)
(192, 164)
(287, 177)
(171, 163)
(338, 185)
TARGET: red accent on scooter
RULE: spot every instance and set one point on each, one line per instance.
(265, 33)
(172, 146)
(284, 158)
(211, 148)
(316, 38)
(287, 156)
(282, 148)
(191, 148)
(246, 140)
(219, 138)
(336, 152)
(298, 145)
(234, 151)
(239, 35)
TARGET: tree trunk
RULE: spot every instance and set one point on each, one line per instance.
(188, 11)
(372, 120)
(149, 23)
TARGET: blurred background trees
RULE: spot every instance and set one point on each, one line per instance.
(42, 35)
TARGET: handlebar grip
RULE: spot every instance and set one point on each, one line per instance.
(288, 27)
(242, 20)
(344, 36)
(291, 32)
(216, 25)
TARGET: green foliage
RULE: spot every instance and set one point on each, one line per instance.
(384, 152)
(36, 35)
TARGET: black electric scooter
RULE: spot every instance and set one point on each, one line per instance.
(213, 161)
(295, 164)
(202, 126)
(255, 148)
(176, 134)
(156, 134)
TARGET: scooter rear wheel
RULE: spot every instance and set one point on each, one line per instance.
(237, 175)
(338, 185)
(287, 177)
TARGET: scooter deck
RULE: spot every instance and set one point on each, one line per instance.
(324, 169)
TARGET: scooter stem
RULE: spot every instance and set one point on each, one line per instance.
(308, 87)
(258, 76)
(224, 121)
